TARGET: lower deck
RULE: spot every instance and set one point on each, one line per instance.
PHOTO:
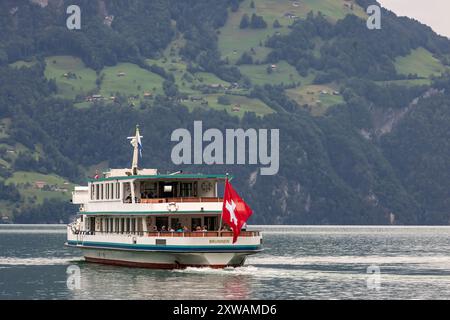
(178, 241)
(148, 225)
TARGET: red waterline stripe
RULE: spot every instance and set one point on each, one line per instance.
(132, 264)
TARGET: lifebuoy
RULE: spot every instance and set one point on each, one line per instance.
(172, 206)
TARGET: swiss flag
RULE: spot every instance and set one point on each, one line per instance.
(235, 212)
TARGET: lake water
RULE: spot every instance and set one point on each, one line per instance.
(299, 262)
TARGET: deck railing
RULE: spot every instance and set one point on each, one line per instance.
(181, 199)
(199, 234)
(174, 234)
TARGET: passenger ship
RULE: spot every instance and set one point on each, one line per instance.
(140, 218)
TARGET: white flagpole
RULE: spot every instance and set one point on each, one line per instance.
(134, 142)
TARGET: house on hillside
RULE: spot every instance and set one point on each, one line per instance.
(108, 20)
(121, 74)
(290, 15)
(195, 98)
(40, 184)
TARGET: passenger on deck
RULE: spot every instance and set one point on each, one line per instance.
(185, 229)
(163, 229)
(128, 199)
(198, 229)
(205, 229)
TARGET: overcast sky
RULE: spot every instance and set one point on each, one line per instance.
(435, 13)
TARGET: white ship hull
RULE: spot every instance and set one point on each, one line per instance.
(164, 260)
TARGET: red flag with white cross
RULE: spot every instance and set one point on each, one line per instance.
(235, 212)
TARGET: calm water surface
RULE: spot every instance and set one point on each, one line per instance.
(298, 263)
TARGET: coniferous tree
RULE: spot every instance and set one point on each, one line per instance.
(245, 22)
(257, 22)
(276, 24)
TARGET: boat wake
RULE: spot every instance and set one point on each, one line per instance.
(245, 270)
(336, 260)
(40, 261)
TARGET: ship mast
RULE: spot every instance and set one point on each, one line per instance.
(137, 147)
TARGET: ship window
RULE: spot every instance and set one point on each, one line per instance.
(211, 223)
(149, 190)
(112, 191)
(186, 189)
(92, 192)
(107, 192)
(101, 191)
(196, 222)
(174, 223)
(117, 190)
(195, 188)
(161, 242)
(162, 221)
(97, 192)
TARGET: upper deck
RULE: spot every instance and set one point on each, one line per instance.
(146, 194)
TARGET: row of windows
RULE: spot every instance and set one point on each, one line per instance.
(117, 225)
(105, 191)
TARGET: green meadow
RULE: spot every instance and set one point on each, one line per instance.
(129, 79)
(408, 82)
(318, 97)
(421, 62)
(25, 183)
(83, 82)
(22, 63)
(238, 105)
(283, 73)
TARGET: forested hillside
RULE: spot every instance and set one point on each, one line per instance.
(363, 114)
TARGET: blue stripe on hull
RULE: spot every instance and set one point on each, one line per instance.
(146, 247)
